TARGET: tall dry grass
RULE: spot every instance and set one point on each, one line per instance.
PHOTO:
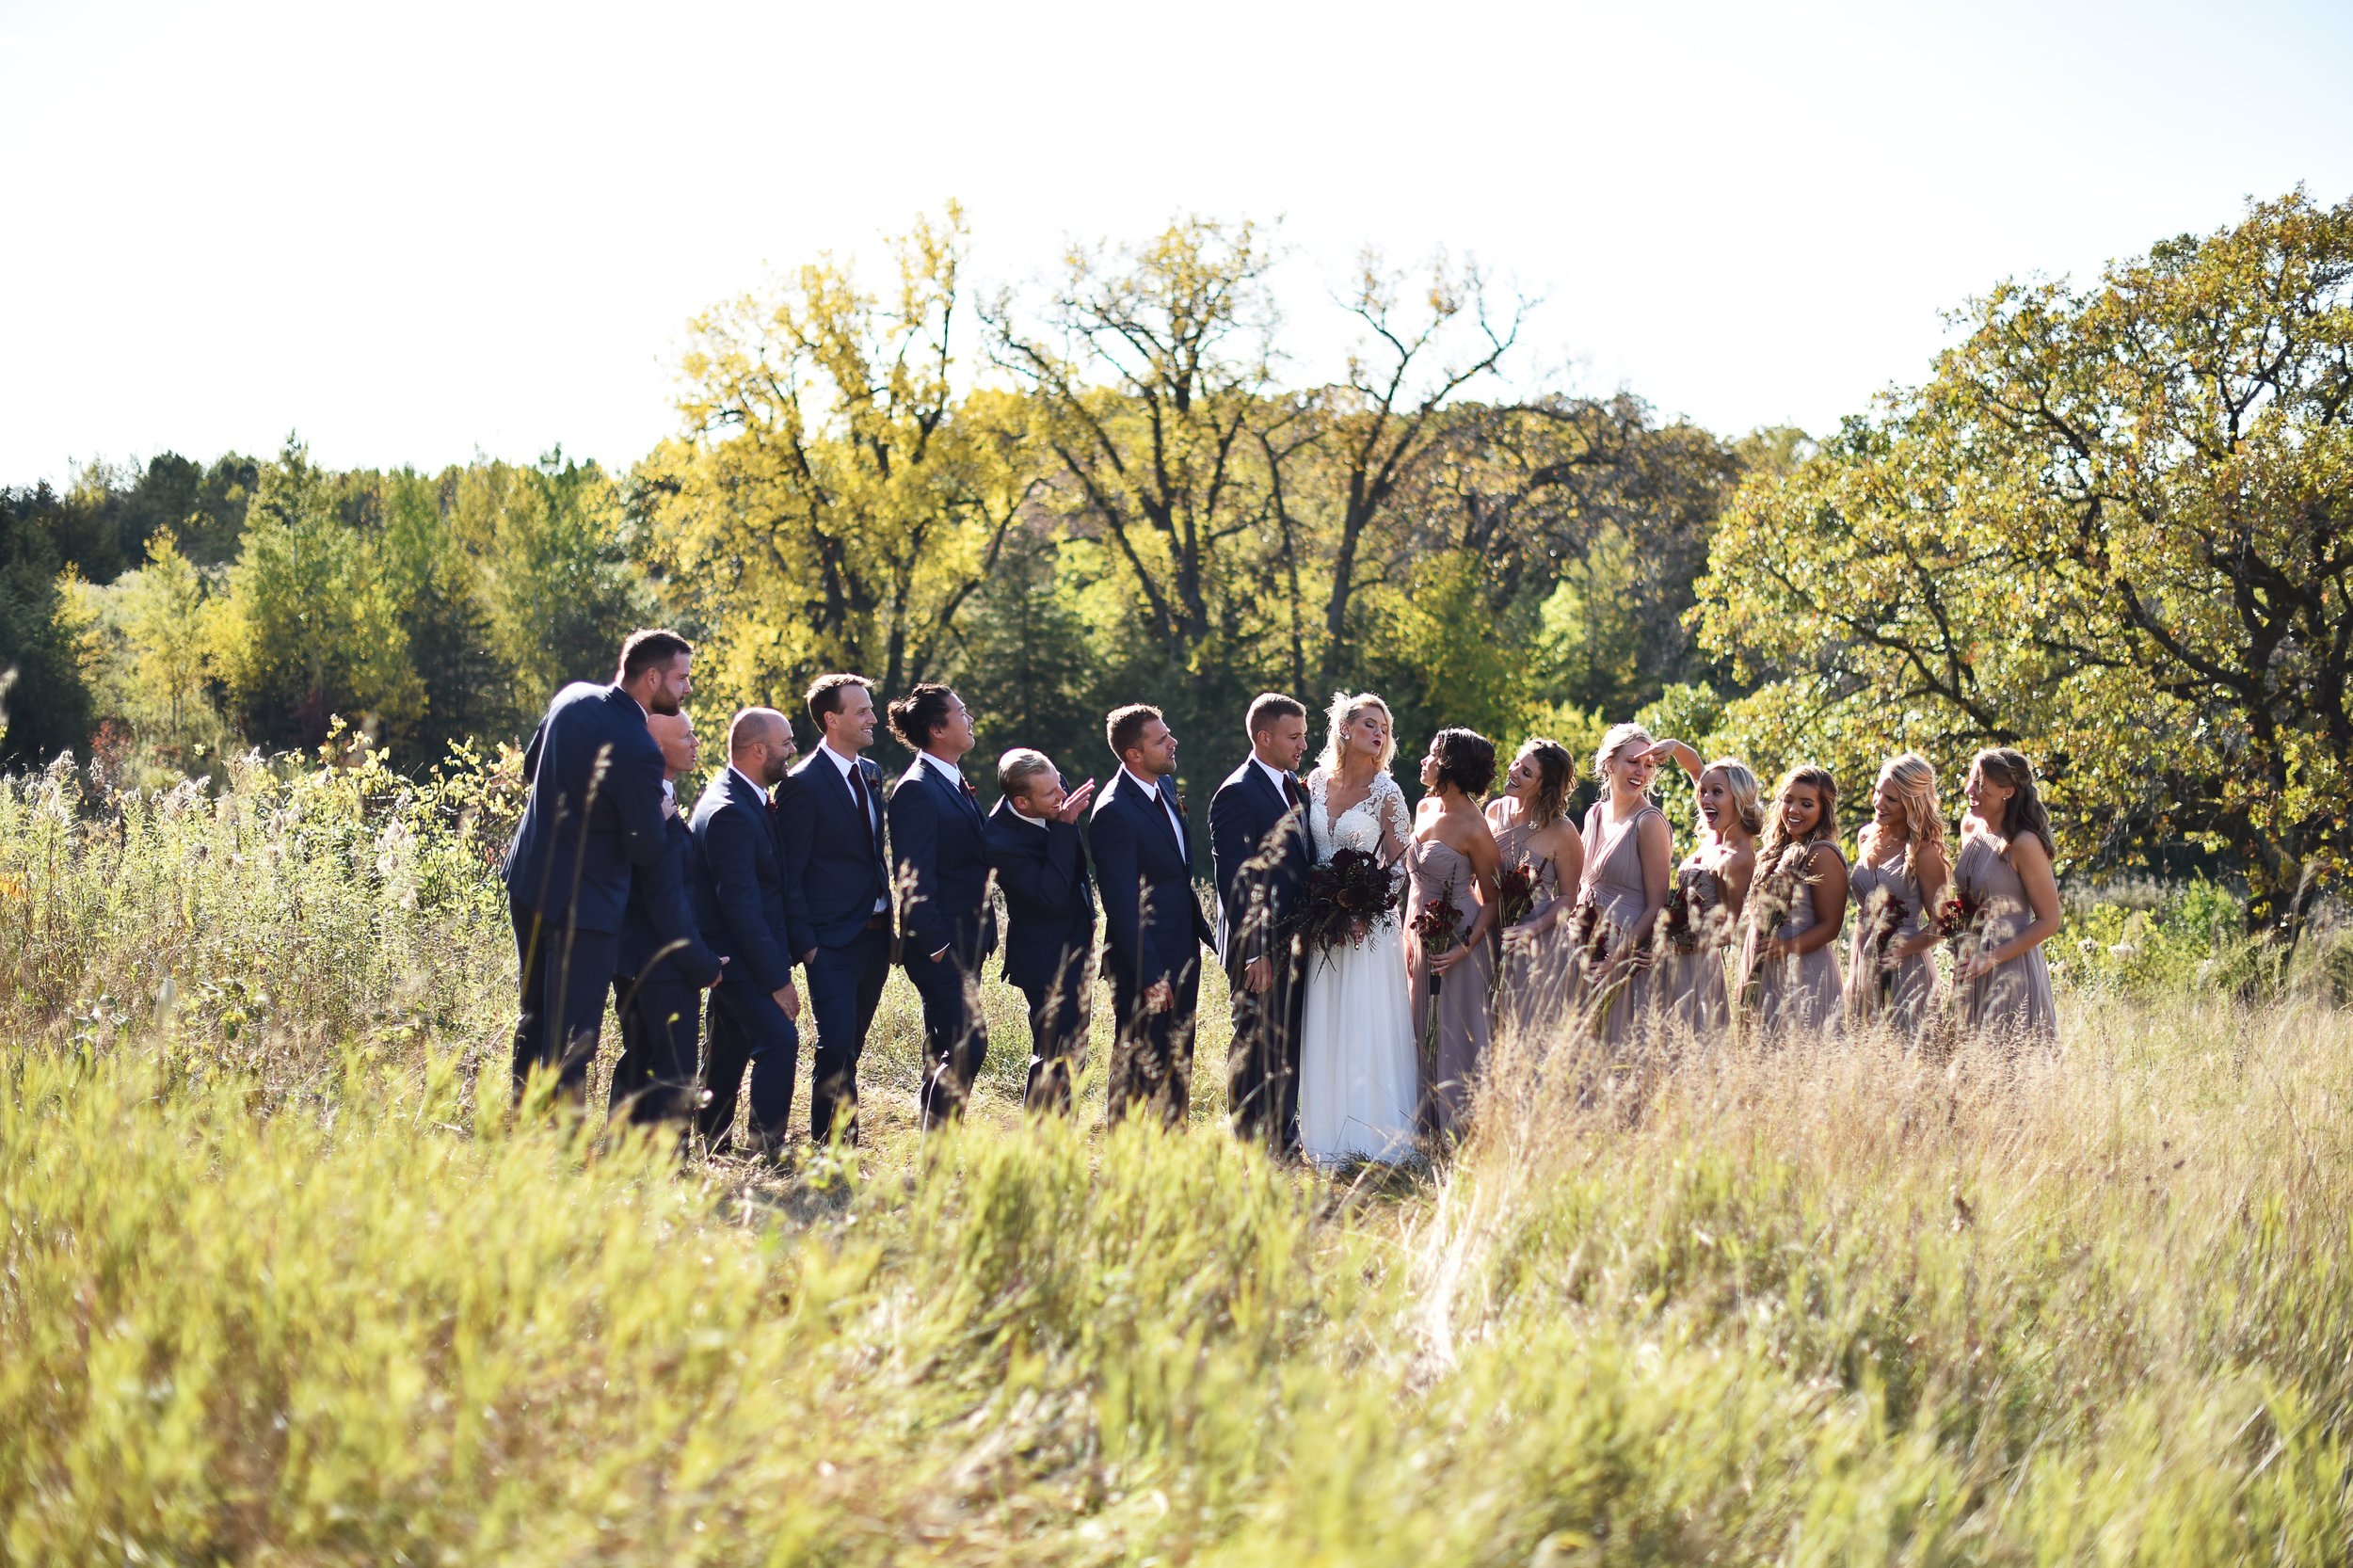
(284, 1280)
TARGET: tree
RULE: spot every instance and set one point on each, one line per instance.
(164, 614)
(1374, 431)
(2115, 530)
(1149, 384)
(833, 505)
(309, 628)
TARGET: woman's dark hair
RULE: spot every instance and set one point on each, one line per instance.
(914, 716)
(1556, 775)
(1466, 761)
(2026, 813)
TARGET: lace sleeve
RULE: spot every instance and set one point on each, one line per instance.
(1397, 820)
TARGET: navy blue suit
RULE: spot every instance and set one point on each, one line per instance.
(1049, 942)
(836, 873)
(594, 816)
(1260, 849)
(739, 894)
(1153, 931)
(658, 980)
(937, 843)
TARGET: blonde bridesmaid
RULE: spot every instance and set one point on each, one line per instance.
(1630, 851)
(1710, 886)
(1535, 836)
(2005, 875)
(1796, 908)
(1901, 870)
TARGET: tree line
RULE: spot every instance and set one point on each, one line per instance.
(2110, 529)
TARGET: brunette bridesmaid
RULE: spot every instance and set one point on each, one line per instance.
(1796, 907)
(1900, 871)
(1710, 886)
(1536, 841)
(1452, 860)
(2004, 877)
(1630, 851)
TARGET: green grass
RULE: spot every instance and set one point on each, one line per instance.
(286, 1281)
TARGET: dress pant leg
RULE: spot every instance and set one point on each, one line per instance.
(775, 1050)
(956, 1041)
(564, 990)
(845, 986)
(530, 987)
(729, 1054)
(660, 1021)
(1250, 1083)
(1057, 1027)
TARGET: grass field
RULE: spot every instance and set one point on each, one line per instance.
(286, 1282)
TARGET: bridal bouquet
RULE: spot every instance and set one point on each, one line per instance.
(1351, 893)
(1440, 926)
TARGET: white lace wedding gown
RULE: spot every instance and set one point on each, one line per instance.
(1359, 1076)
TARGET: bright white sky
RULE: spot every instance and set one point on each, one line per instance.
(415, 232)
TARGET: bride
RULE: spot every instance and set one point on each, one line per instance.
(1359, 1076)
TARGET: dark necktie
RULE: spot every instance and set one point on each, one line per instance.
(1293, 793)
(859, 798)
(971, 796)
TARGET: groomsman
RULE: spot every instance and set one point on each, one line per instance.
(1153, 927)
(1261, 852)
(740, 904)
(665, 966)
(1034, 848)
(838, 891)
(947, 925)
(594, 815)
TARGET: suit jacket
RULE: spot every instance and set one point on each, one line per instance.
(1049, 899)
(835, 852)
(1248, 819)
(940, 848)
(660, 914)
(739, 885)
(1152, 925)
(595, 811)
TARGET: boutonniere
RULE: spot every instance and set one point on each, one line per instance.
(1182, 809)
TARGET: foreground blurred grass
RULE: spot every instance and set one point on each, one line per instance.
(283, 1282)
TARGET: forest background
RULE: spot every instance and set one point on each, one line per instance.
(2113, 526)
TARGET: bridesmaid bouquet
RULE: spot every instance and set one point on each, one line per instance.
(1351, 892)
(1681, 934)
(1515, 894)
(1956, 915)
(1440, 926)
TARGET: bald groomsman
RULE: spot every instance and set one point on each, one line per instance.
(740, 904)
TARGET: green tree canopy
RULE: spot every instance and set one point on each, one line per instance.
(2114, 530)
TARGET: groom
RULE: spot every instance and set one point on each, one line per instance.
(1261, 850)
(1152, 928)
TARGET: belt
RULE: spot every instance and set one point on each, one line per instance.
(880, 922)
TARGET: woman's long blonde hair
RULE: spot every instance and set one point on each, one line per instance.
(1619, 736)
(1345, 710)
(1748, 795)
(1913, 779)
